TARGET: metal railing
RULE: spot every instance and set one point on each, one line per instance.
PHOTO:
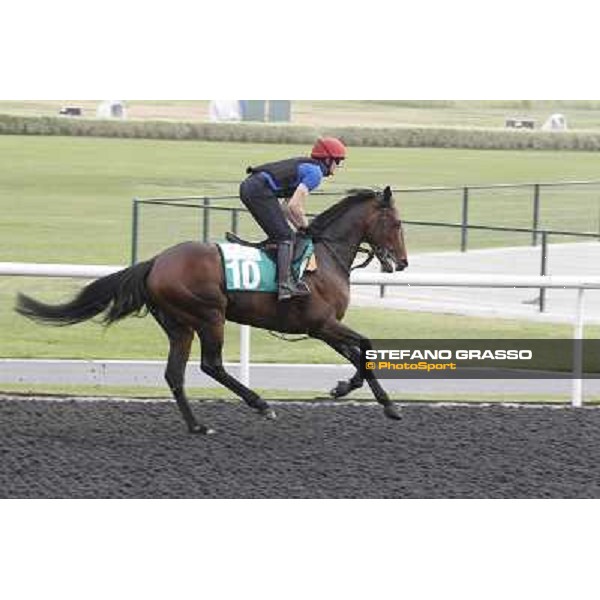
(206, 204)
(466, 196)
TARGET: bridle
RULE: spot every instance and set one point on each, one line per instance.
(372, 251)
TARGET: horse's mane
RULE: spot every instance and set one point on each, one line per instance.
(324, 219)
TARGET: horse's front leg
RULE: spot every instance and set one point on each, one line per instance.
(346, 342)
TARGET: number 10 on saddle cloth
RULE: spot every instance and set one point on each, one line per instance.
(254, 270)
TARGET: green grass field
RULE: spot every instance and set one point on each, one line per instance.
(221, 393)
(69, 200)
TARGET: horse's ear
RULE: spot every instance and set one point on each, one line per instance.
(387, 196)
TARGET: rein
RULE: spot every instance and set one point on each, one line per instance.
(331, 249)
(367, 260)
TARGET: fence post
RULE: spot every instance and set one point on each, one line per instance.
(544, 268)
(134, 231)
(465, 220)
(536, 214)
(245, 355)
(205, 219)
(235, 217)
(577, 389)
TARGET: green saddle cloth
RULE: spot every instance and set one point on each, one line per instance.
(249, 269)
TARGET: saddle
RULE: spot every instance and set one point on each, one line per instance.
(266, 245)
(252, 266)
(270, 246)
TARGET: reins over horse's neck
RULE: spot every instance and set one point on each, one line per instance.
(331, 247)
(342, 236)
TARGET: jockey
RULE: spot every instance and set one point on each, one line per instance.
(292, 179)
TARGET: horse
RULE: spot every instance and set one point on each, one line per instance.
(183, 288)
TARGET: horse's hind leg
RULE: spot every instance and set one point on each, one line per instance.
(180, 341)
(345, 386)
(211, 340)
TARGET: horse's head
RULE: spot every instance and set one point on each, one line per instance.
(384, 233)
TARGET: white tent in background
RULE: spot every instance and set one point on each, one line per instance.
(556, 122)
(111, 109)
(224, 110)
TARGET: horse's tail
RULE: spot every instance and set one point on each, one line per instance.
(117, 295)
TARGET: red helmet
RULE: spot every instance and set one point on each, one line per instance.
(329, 147)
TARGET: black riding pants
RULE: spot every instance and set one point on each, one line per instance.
(264, 206)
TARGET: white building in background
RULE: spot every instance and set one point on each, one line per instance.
(556, 122)
(111, 109)
(224, 110)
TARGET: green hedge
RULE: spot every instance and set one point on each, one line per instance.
(433, 137)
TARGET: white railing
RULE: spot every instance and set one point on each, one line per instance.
(580, 283)
(55, 270)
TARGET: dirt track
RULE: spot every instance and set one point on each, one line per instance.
(110, 449)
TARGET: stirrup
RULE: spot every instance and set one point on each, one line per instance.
(288, 290)
(287, 287)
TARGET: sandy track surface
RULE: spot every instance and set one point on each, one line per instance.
(111, 449)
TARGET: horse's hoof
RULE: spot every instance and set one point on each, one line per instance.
(342, 389)
(268, 413)
(200, 429)
(392, 412)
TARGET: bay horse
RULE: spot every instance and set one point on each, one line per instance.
(183, 287)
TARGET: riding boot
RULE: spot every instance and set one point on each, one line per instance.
(287, 286)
